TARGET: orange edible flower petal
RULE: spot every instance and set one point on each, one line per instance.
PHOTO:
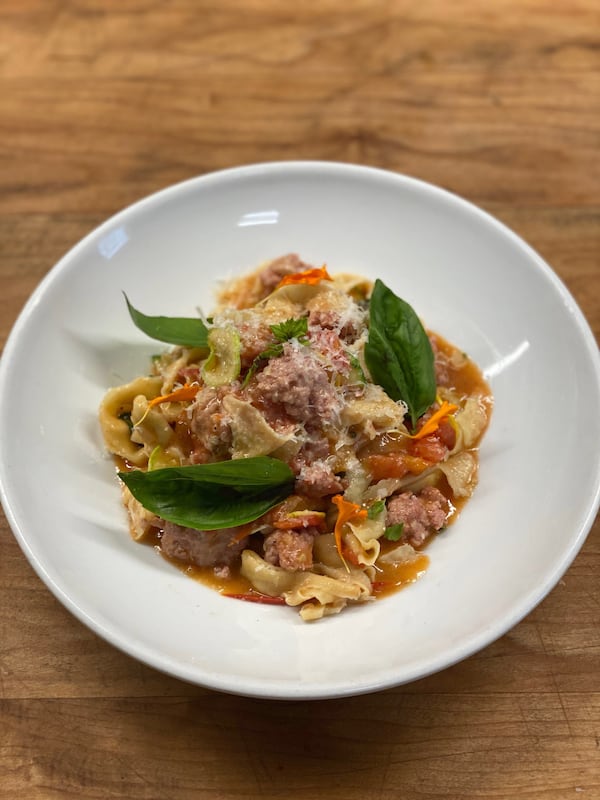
(435, 419)
(187, 392)
(347, 511)
(308, 276)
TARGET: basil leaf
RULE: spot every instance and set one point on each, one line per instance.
(186, 331)
(199, 506)
(394, 532)
(398, 352)
(212, 496)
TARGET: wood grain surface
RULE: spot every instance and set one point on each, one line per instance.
(104, 102)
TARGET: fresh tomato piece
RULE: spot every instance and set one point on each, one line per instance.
(395, 465)
(386, 465)
(447, 434)
(430, 449)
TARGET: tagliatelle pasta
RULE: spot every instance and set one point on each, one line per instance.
(305, 446)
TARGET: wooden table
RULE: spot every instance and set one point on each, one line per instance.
(102, 103)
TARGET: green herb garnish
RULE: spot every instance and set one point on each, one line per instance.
(394, 532)
(356, 372)
(283, 332)
(375, 509)
(126, 417)
(186, 331)
(213, 496)
(398, 352)
(290, 329)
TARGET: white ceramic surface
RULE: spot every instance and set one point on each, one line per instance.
(466, 275)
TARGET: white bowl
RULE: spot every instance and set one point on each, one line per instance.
(467, 276)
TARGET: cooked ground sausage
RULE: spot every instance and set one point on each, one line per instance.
(203, 548)
(421, 514)
(297, 385)
(289, 549)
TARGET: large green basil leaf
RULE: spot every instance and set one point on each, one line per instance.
(398, 352)
(186, 331)
(213, 496)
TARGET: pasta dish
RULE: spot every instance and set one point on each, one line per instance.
(302, 444)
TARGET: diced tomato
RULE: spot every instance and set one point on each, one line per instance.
(447, 434)
(429, 448)
(394, 465)
(416, 464)
(386, 465)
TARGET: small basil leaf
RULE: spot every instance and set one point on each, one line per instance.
(398, 352)
(377, 508)
(186, 331)
(394, 532)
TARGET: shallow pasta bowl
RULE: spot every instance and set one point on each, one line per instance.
(466, 275)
